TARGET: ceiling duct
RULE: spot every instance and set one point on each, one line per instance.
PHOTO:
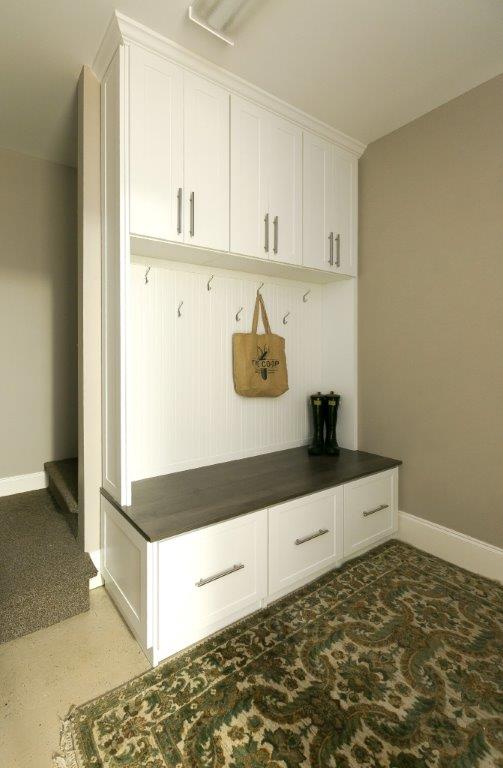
(216, 16)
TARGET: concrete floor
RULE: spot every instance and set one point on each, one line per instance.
(43, 674)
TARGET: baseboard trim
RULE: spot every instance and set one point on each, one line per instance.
(22, 483)
(96, 581)
(457, 548)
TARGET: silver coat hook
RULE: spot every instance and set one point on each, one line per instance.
(238, 314)
(285, 318)
(208, 284)
(146, 274)
(304, 298)
(179, 310)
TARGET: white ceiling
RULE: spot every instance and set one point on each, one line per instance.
(363, 66)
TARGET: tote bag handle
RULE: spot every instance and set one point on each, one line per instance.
(260, 307)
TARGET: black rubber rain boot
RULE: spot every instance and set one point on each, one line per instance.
(317, 404)
(331, 407)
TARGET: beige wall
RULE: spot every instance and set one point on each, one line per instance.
(431, 310)
(38, 313)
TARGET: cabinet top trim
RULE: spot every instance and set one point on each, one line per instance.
(123, 30)
(169, 505)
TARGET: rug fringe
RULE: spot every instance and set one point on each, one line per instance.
(67, 755)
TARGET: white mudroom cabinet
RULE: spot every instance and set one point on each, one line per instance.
(213, 190)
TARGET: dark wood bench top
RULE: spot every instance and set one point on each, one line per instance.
(168, 505)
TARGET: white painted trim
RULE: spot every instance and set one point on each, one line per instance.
(455, 547)
(96, 581)
(124, 30)
(22, 483)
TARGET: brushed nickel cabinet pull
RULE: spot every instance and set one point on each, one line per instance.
(321, 532)
(373, 511)
(220, 575)
(179, 211)
(338, 259)
(276, 228)
(192, 214)
(266, 233)
(331, 251)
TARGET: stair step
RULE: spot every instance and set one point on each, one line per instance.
(44, 574)
(63, 487)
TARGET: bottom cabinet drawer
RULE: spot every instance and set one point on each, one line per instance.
(209, 577)
(370, 510)
(303, 539)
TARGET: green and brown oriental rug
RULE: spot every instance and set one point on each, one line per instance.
(394, 660)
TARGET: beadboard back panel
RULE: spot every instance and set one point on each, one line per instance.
(185, 412)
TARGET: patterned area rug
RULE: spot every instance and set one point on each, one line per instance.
(394, 660)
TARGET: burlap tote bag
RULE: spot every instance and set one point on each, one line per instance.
(259, 360)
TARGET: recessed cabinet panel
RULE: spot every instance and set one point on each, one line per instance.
(208, 575)
(345, 180)
(303, 539)
(318, 202)
(249, 193)
(329, 206)
(370, 510)
(285, 191)
(156, 137)
(206, 153)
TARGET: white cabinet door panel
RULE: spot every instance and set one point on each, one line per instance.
(206, 153)
(304, 539)
(249, 194)
(207, 576)
(318, 202)
(285, 190)
(156, 152)
(370, 510)
(345, 211)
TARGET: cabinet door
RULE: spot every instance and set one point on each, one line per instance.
(285, 190)
(249, 199)
(156, 151)
(318, 202)
(370, 511)
(305, 538)
(208, 578)
(345, 212)
(206, 160)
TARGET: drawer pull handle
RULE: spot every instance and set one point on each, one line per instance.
(209, 579)
(321, 532)
(373, 511)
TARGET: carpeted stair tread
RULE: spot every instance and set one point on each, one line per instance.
(44, 576)
(63, 478)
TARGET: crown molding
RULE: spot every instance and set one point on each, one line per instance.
(123, 30)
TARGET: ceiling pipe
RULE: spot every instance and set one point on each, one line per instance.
(220, 15)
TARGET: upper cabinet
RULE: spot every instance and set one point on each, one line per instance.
(329, 206)
(249, 179)
(266, 184)
(285, 190)
(206, 163)
(156, 146)
(179, 150)
(209, 167)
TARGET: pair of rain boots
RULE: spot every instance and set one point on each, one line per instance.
(324, 409)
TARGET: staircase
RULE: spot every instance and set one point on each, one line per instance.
(44, 575)
(64, 489)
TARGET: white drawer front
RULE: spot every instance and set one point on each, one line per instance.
(207, 576)
(303, 539)
(370, 510)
